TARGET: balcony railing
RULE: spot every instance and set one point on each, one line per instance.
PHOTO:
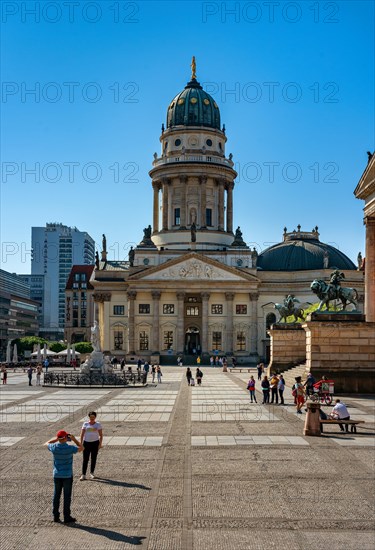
(209, 159)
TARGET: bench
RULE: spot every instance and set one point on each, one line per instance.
(352, 423)
(240, 369)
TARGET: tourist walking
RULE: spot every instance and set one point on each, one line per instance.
(159, 374)
(92, 441)
(46, 364)
(281, 388)
(63, 472)
(30, 374)
(266, 390)
(260, 369)
(139, 365)
(199, 376)
(146, 369)
(39, 370)
(4, 374)
(273, 385)
(188, 375)
(153, 372)
(251, 388)
(299, 394)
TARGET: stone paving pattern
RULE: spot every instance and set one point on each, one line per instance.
(190, 468)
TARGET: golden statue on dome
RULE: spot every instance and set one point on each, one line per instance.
(193, 68)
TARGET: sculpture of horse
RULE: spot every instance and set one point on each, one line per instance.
(285, 312)
(327, 292)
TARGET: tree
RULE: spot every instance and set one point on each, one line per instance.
(83, 347)
(28, 342)
(56, 346)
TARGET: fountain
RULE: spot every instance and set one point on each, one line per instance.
(97, 362)
(95, 371)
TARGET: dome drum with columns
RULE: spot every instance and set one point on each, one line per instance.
(192, 180)
(193, 285)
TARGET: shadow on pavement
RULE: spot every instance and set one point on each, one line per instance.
(111, 535)
(121, 483)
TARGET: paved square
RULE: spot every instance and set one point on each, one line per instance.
(186, 468)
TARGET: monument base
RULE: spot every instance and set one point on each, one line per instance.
(288, 346)
(341, 346)
(96, 362)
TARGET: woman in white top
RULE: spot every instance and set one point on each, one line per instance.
(92, 441)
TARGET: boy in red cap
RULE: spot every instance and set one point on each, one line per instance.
(63, 472)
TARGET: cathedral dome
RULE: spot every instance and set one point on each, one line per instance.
(302, 251)
(193, 107)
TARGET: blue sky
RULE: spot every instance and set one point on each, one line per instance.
(294, 82)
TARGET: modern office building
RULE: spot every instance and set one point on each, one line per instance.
(37, 289)
(18, 312)
(55, 249)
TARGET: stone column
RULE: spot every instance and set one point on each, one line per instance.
(156, 294)
(183, 180)
(230, 208)
(370, 270)
(220, 184)
(180, 321)
(229, 298)
(254, 323)
(205, 297)
(202, 182)
(155, 221)
(131, 299)
(165, 204)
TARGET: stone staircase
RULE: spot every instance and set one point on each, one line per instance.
(290, 374)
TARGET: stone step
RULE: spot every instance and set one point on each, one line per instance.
(290, 374)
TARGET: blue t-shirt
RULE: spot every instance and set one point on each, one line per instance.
(62, 459)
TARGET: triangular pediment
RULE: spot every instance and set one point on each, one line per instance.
(194, 267)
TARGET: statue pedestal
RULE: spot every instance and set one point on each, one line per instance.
(97, 363)
(288, 346)
(341, 346)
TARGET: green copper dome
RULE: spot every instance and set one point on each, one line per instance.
(301, 251)
(193, 107)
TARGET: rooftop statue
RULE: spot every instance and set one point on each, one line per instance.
(289, 308)
(333, 290)
(193, 230)
(147, 232)
(131, 256)
(238, 239)
(146, 241)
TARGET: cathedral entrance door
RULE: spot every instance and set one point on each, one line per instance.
(192, 341)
